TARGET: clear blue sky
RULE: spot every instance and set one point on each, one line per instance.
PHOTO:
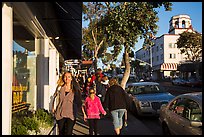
(193, 9)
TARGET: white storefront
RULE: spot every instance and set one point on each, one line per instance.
(28, 66)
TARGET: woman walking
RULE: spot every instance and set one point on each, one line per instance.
(116, 102)
(70, 102)
(91, 109)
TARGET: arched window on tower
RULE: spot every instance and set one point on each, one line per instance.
(183, 24)
(176, 24)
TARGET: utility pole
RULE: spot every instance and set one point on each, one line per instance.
(151, 60)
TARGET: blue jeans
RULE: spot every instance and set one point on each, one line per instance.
(117, 116)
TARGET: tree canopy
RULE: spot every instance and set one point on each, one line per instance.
(123, 23)
(190, 44)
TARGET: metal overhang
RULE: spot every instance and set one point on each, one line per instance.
(59, 19)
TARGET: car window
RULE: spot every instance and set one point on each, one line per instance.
(147, 89)
(131, 79)
(186, 108)
(194, 111)
(134, 90)
(173, 104)
(179, 107)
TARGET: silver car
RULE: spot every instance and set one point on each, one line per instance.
(147, 98)
(131, 79)
(182, 115)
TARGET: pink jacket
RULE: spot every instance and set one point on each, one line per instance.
(93, 107)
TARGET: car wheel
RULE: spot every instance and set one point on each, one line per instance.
(165, 130)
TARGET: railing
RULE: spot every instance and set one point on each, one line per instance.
(53, 131)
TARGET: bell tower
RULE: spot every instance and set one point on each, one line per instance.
(179, 24)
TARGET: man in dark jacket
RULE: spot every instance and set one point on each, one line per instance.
(117, 104)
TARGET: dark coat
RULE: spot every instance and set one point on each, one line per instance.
(116, 98)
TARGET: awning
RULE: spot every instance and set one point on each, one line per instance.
(86, 64)
(169, 66)
(57, 19)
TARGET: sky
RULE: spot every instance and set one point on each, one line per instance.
(193, 9)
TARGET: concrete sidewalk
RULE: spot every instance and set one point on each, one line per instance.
(105, 127)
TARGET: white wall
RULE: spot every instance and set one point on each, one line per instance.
(7, 67)
(179, 31)
(160, 51)
(53, 77)
(171, 39)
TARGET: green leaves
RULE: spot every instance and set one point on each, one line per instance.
(122, 20)
(26, 120)
(190, 44)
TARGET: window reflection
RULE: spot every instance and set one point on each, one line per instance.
(23, 85)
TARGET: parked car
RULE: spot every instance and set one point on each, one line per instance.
(179, 81)
(147, 98)
(131, 79)
(182, 115)
(193, 83)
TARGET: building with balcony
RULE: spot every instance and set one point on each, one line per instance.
(164, 56)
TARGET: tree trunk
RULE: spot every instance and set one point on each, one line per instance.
(95, 57)
(127, 69)
(95, 64)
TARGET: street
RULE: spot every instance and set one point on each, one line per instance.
(177, 90)
(152, 123)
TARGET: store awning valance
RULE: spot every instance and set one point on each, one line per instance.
(86, 63)
(169, 66)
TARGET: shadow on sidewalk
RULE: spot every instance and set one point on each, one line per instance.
(81, 127)
(105, 126)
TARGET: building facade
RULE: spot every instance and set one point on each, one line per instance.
(164, 56)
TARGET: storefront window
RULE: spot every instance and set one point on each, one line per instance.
(24, 78)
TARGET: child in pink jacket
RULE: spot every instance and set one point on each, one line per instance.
(91, 109)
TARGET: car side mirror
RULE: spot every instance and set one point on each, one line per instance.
(196, 124)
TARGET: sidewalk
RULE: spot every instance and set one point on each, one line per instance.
(105, 127)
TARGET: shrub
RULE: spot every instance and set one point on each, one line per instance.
(44, 116)
(26, 120)
(31, 123)
(18, 128)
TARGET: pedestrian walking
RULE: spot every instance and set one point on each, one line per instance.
(69, 103)
(92, 109)
(94, 76)
(100, 88)
(117, 103)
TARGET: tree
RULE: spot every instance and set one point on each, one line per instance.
(93, 36)
(125, 22)
(190, 44)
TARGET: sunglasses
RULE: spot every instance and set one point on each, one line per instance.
(91, 92)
